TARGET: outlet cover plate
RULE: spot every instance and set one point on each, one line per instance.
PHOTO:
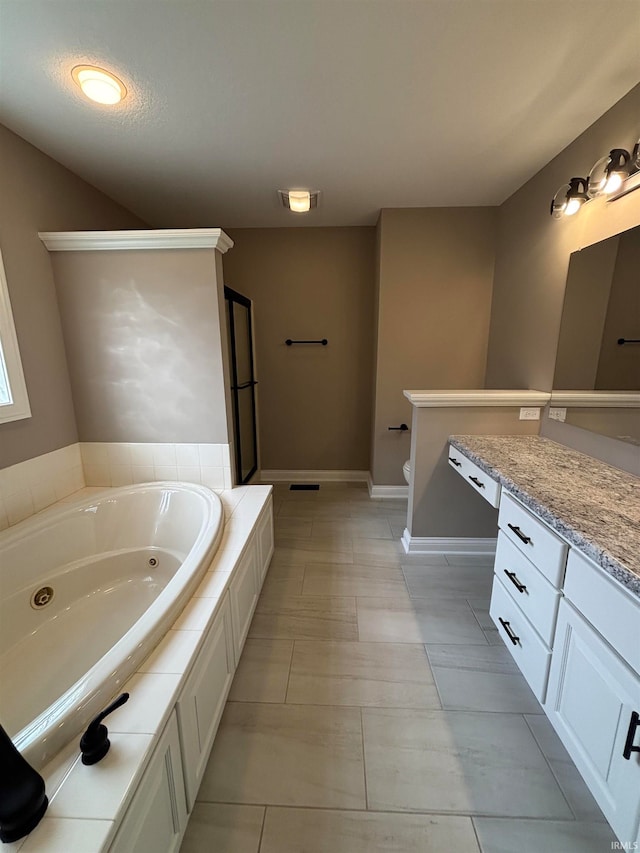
(530, 413)
(558, 413)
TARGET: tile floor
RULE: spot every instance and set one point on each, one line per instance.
(375, 708)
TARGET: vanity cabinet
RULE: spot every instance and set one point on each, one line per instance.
(157, 815)
(488, 488)
(203, 697)
(594, 691)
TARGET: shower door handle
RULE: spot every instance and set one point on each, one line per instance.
(402, 427)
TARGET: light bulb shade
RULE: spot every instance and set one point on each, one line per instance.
(99, 85)
(608, 173)
(569, 198)
(300, 201)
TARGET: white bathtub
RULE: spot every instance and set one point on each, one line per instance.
(121, 566)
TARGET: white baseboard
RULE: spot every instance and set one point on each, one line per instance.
(277, 476)
(446, 545)
(400, 492)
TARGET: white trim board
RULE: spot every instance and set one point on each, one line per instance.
(596, 399)
(162, 238)
(281, 476)
(447, 545)
(478, 397)
(399, 492)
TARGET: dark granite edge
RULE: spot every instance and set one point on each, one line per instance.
(598, 555)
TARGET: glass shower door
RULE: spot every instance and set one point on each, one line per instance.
(243, 384)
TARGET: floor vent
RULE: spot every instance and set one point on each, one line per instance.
(304, 487)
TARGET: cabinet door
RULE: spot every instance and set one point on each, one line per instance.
(244, 595)
(264, 535)
(202, 699)
(592, 697)
(157, 816)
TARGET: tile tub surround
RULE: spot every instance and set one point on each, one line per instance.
(125, 463)
(594, 506)
(417, 669)
(86, 803)
(30, 486)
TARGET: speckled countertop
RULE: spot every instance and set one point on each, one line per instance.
(593, 506)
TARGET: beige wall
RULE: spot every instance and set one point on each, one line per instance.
(310, 283)
(434, 302)
(533, 252)
(38, 194)
(441, 503)
(145, 344)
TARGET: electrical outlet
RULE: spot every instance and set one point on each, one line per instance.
(530, 414)
(558, 414)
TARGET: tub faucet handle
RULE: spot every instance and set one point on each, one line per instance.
(94, 743)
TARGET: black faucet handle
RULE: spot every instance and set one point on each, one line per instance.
(95, 743)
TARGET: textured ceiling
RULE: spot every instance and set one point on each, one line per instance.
(376, 103)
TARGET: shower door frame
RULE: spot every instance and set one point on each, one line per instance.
(232, 296)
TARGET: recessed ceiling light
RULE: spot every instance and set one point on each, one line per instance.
(299, 201)
(99, 85)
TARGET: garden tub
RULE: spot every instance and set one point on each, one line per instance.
(86, 593)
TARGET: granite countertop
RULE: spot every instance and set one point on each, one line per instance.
(593, 506)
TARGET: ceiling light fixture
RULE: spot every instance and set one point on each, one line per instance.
(299, 201)
(99, 85)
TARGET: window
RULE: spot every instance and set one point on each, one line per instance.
(14, 402)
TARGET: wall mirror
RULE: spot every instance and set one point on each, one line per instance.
(599, 341)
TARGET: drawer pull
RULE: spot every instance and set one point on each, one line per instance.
(514, 580)
(520, 534)
(455, 462)
(507, 627)
(631, 733)
(476, 481)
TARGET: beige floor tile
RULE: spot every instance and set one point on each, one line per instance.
(419, 620)
(303, 551)
(287, 755)
(263, 671)
(350, 580)
(499, 835)
(457, 761)
(324, 831)
(305, 617)
(282, 587)
(224, 828)
(363, 528)
(295, 528)
(376, 674)
(381, 552)
(453, 581)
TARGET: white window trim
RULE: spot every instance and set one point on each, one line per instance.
(19, 407)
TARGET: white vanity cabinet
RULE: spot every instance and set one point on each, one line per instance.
(202, 699)
(594, 693)
(157, 815)
(487, 487)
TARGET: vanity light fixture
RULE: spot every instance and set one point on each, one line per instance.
(299, 201)
(99, 85)
(613, 176)
(569, 198)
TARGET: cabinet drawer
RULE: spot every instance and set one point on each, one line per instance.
(531, 591)
(604, 603)
(532, 536)
(529, 652)
(475, 476)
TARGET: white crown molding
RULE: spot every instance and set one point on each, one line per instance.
(282, 476)
(165, 238)
(393, 492)
(446, 545)
(596, 399)
(479, 397)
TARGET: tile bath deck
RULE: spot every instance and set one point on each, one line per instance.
(374, 708)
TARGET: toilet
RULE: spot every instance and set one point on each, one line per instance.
(406, 470)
